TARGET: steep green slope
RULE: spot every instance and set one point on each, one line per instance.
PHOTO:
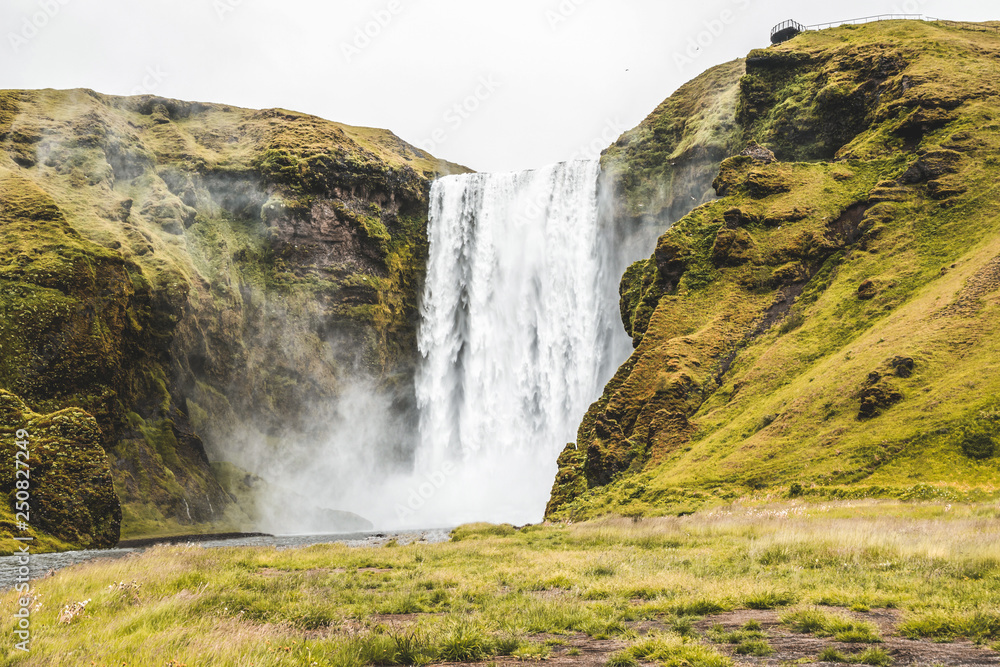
(182, 270)
(831, 324)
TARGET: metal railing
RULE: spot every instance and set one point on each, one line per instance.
(790, 28)
(867, 19)
(965, 25)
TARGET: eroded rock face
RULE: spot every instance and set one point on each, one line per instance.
(879, 392)
(83, 327)
(932, 164)
(72, 493)
(663, 167)
(672, 256)
(867, 290)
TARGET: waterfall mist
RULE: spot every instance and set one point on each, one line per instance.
(520, 330)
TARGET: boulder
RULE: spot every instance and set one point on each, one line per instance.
(758, 153)
(867, 290)
(877, 394)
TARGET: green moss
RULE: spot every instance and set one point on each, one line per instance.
(66, 482)
(639, 296)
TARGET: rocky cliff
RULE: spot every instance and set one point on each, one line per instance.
(830, 323)
(181, 270)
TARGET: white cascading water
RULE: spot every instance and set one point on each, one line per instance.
(514, 338)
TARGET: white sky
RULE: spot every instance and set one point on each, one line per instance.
(564, 77)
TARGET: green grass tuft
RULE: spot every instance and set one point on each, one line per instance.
(979, 625)
(871, 656)
(841, 628)
(755, 647)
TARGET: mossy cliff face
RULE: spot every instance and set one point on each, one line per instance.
(178, 269)
(831, 323)
(664, 167)
(67, 475)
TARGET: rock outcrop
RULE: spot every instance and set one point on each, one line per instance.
(65, 477)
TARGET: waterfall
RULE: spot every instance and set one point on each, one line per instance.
(519, 332)
(516, 336)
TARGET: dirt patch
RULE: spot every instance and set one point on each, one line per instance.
(968, 301)
(313, 572)
(549, 594)
(316, 571)
(793, 647)
(580, 650)
(590, 651)
(577, 651)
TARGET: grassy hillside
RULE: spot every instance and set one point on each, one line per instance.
(180, 270)
(830, 324)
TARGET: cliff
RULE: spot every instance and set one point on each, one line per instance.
(830, 324)
(180, 271)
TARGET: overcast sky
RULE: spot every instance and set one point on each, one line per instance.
(492, 84)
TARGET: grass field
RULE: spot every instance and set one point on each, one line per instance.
(872, 582)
